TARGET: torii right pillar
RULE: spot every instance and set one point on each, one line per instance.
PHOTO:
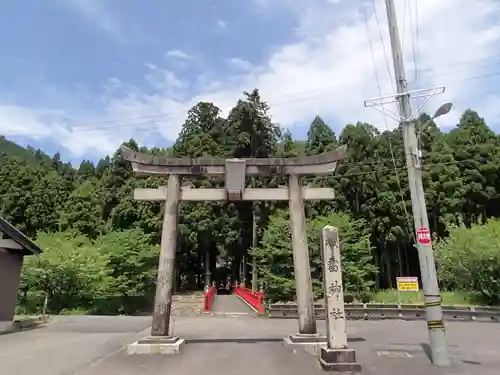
(302, 270)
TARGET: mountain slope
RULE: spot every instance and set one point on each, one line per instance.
(29, 154)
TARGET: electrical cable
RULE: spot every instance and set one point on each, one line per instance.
(398, 180)
(103, 129)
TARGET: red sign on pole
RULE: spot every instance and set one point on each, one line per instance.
(424, 236)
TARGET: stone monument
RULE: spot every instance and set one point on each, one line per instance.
(336, 356)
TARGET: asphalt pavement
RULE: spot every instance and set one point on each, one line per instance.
(68, 344)
(244, 344)
(230, 303)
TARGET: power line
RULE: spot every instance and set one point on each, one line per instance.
(382, 42)
(125, 121)
(374, 162)
(405, 5)
(398, 180)
(391, 160)
(117, 124)
(461, 63)
(415, 44)
(169, 114)
(465, 79)
(392, 170)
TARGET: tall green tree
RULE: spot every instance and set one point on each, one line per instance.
(39, 193)
(253, 134)
(274, 256)
(320, 137)
(475, 147)
(83, 210)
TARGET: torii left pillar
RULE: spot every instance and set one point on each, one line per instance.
(160, 341)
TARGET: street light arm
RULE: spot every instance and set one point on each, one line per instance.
(443, 110)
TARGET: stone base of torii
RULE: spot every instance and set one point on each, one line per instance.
(235, 172)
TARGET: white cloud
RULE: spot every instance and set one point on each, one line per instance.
(240, 64)
(82, 133)
(95, 11)
(164, 79)
(222, 24)
(143, 116)
(39, 124)
(328, 70)
(16, 120)
(178, 54)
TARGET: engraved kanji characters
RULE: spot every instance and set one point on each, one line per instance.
(333, 264)
(336, 314)
(335, 287)
(330, 242)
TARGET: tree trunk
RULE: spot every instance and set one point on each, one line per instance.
(388, 268)
(400, 264)
(377, 275)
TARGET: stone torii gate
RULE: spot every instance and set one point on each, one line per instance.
(234, 172)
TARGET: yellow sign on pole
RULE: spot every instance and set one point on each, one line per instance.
(407, 284)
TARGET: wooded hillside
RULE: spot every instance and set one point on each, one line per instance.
(372, 205)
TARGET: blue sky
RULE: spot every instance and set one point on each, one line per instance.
(80, 76)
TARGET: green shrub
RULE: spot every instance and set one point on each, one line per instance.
(470, 260)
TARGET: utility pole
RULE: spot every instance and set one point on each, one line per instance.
(433, 311)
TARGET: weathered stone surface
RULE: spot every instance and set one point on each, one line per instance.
(166, 266)
(156, 345)
(310, 347)
(340, 360)
(301, 338)
(187, 305)
(143, 158)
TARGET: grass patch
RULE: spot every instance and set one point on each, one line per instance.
(449, 298)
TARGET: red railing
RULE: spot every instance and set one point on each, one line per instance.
(208, 298)
(252, 297)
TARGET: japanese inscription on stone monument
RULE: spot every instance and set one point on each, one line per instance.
(334, 293)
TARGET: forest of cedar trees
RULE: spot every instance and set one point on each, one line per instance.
(101, 247)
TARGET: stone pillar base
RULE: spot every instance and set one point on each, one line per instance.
(340, 360)
(156, 345)
(311, 343)
(307, 338)
(6, 326)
